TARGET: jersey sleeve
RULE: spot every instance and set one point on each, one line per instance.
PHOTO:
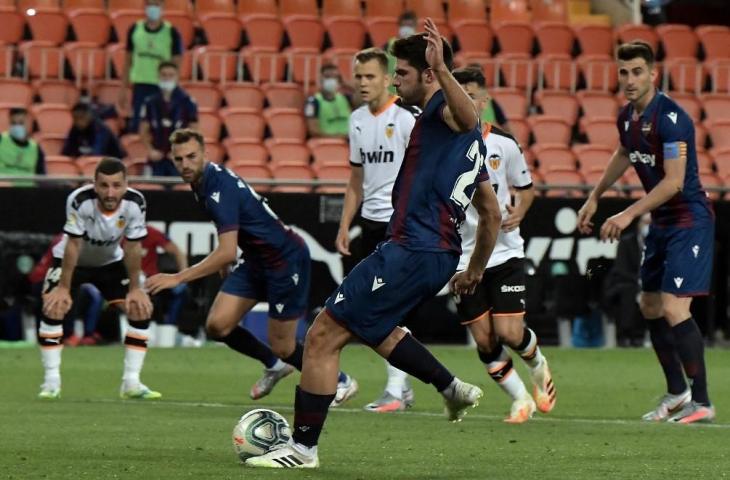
(74, 225)
(518, 175)
(675, 132)
(223, 205)
(137, 224)
(355, 159)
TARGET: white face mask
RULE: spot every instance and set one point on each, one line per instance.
(406, 31)
(153, 12)
(167, 85)
(18, 132)
(330, 85)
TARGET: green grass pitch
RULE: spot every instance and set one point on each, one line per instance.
(592, 433)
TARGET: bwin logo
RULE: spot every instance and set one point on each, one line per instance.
(645, 158)
(381, 156)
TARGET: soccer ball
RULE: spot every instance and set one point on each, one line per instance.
(259, 430)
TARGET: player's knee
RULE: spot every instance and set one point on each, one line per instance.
(650, 307)
(510, 330)
(282, 346)
(483, 338)
(676, 313)
(218, 328)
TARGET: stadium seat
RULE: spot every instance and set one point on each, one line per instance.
(329, 151)
(466, 10)
(122, 21)
(14, 25)
(721, 158)
(558, 103)
(709, 181)
(514, 37)
(304, 31)
(283, 151)
(554, 156)
(204, 7)
(178, 6)
(246, 152)
(304, 65)
(700, 137)
(120, 5)
(217, 64)
(70, 6)
(263, 31)
(57, 91)
(716, 106)
(518, 70)
(513, 101)
(209, 124)
(705, 162)
(244, 95)
(206, 94)
(719, 132)
(595, 40)
(335, 172)
(341, 8)
(521, 131)
(47, 25)
(87, 164)
(592, 177)
(597, 104)
(547, 129)
(243, 123)
(42, 59)
(15, 91)
(91, 26)
(592, 157)
(599, 73)
(563, 177)
(381, 29)
(293, 171)
(345, 32)
(679, 41)
(719, 73)
(25, 5)
(52, 118)
(136, 166)
(480, 60)
(602, 131)
(286, 123)
(629, 32)
(222, 29)
(133, 146)
(87, 61)
(61, 166)
(689, 103)
(685, 74)
(257, 7)
(557, 72)
(184, 24)
(549, 10)
(509, 11)
(8, 59)
(554, 38)
(253, 172)
(284, 95)
(263, 64)
(383, 8)
(289, 8)
(107, 91)
(427, 8)
(473, 35)
(342, 59)
(51, 144)
(215, 152)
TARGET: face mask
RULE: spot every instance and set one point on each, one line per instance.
(17, 132)
(406, 31)
(167, 85)
(330, 85)
(153, 12)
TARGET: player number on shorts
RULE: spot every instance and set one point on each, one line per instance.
(466, 179)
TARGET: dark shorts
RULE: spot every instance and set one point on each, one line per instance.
(382, 289)
(678, 260)
(501, 291)
(372, 234)
(111, 280)
(286, 289)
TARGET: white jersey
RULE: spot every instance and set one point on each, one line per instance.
(102, 233)
(507, 168)
(377, 144)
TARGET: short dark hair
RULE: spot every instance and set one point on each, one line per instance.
(166, 64)
(636, 49)
(110, 166)
(81, 107)
(413, 50)
(377, 54)
(184, 135)
(328, 66)
(470, 74)
(407, 15)
(17, 111)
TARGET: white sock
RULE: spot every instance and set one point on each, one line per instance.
(51, 341)
(502, 372)
(135, 343)
(448, 392)
(277, 366)
(304, 450)
(396, 381)
(531, 353)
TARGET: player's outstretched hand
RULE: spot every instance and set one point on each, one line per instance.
(57, 303)
(464, 283)
(162, 281)
(138, 305)
(512, 222)
(435, 47)
(343, 242)
(585, 214)
(612, 228)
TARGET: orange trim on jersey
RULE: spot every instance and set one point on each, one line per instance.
(481, 317)
(135, 347)
(509, 314)
(387, 105)
(487, 129)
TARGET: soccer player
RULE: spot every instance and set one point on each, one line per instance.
(442, 169)
(97, 217)
(658, 138)
(274, 267)
(379, 133)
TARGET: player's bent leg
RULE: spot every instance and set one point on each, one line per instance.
(398, 394)
(50, 339)
(135, 350)
(284, 346)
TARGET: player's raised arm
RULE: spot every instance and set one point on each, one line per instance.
(460, 112)
(616, 167)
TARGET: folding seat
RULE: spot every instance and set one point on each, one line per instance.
(87, 61)
(244, 95)
(341, 8)
(222, 29)
(286, 171)
(383, 8)
(689, 104)
(329, 172)
(7, 60)
(518, 70)
(304, 31)
(304, 66)
(215, 152)
(203, 7)
(473, 35)
(24, 5)
(512, 101)
(711, 183)
(549, 10)
(122, 21)
(47, 24)
(520, 129)
(106, 91)
(70, 6)
(52, 118)
(514, 37)
(263, 31)
(209, 124)
(602, 131)
(257, 7)
(121, 5)
(136, 166)
(283, 151)
(597, 104)
(558, 103)
(547, 129)
(554, 38)
(58, 91)
(87, 164)
(599, 73)
(466, 11)
(286, 123)
(217, 64)
(134, 147)
(554, 156)
(91, 25)
(205, 94)
(117, 54)
(42, 59)
(705, 162)
(284, 95)
(427, 8)
(486, 62)
(253, 172)
(510, 11)
(381, 29)
(719, 133)
(716, 106)
(58, 165)
(13, 25)
(563, 177)
(15, 91)
(298, 7)
(679, 41)
(557, 72)
(342, 59)
(184, 24)
(345, 32)
(685, 74)
(593, 157)
(629, 32)
(595, 40)
(264, 65)
(719, 73)
(243, 124)
(329, 151)
(246, 152)
(721, 157)
(51, 144)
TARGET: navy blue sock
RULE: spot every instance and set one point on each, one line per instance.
(295, 358)
(413, 358)
(662, 339)
(310, 412)
(691, 349)
(342, 377)
(243, 341)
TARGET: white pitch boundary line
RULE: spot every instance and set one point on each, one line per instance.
(471, 414)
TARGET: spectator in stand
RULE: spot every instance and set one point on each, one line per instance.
(407, 24)
(167, 110)
(149, 42)
(90, 136)
(492, 113)
(328, 111)
(20, 155)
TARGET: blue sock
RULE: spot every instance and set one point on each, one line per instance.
(342, 378)
(243, 341)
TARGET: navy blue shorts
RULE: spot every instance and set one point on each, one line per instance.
(382, 289)
(678, 260)
(286, 289)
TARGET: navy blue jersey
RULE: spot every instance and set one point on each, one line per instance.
(233, 205)
(662, 131)
(436, 182)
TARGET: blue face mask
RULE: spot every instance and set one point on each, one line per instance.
(153, 12)
(18, 132)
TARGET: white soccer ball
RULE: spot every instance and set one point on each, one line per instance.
(259, 430)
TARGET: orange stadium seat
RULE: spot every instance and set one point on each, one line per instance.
(383, 8)
(629, 32)
(558, 103)
(42, 59)
(473, 35)
(599, 73)
(186, 65)
(549, 10)
(87, 61)
(48, 25)
(341, 8)
(246, 152)
(480, 60)
(597, 104)
(52, 118)
(24, 5)
(178, 6)
(719, 73)
(381, 29)
(222, 29)
(342, 59)
(122, 21)
(514, 37)
(217, 64)
(87, 164)
(7, 59)
(304, 31)
(427, 8)
(304, 65)
(215, 152)
(547, 129)
(332, 172)
(510, 11)
(521, 131)
(592, 157)
(705, 163)
(716, 106)
(244, 95)
(257, 7)
(117, 53)
(345, 32)
(62, 166)
(184, 24)
(15, 91)
(107, 91)
(690, 104)
(719, 133)
(70, 6)
(118, 5)
(563, 177)
(283, 151)
(602, 131)
(243, 123)
(679, 41)
(206, 94)
(263, 31)
(554, 38)
(136, 166)
(286, 123)
(209, 124)
(134, 146)
(203, 7)
(330, 151)
(513, 101)
(51, 144)
(14, 24)
(91, 26)
(685, 74)
(721, 158)
(700, 136)
(558, 72)
(251, 172)
(284, 95)
(554, 156)
(466, 10)
(518, 70)
(595, 40)
(57, 91)
(293, 171)
(264, 65)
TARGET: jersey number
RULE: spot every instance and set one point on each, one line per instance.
(467, 179)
